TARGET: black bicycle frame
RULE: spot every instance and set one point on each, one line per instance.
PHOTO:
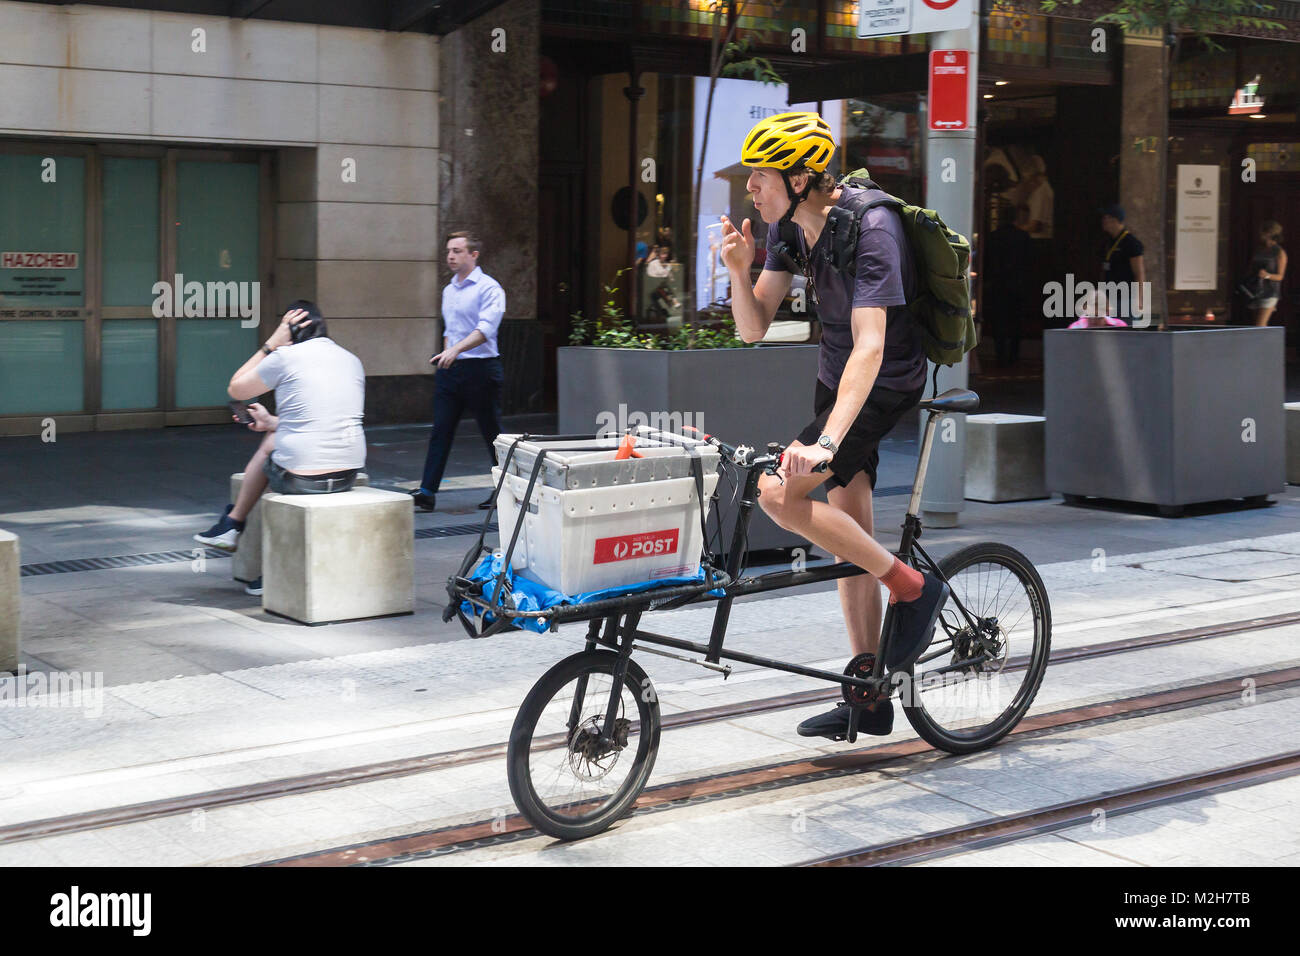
(909, 552)
(619, 637)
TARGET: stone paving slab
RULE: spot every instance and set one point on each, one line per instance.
(845, 814)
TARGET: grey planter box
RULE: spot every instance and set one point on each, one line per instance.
(1162, 417)
(750, 396)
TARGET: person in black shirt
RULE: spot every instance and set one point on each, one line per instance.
(1121, 257)
(1007, 270)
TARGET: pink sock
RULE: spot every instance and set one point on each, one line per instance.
(904, 583)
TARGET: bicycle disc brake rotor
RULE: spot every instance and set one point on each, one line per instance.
(590, 758)
(988, 645)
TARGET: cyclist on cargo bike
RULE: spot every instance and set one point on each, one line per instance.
(586, 736)
(871, 371)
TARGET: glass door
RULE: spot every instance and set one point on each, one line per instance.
(217, 250)
(43, 301)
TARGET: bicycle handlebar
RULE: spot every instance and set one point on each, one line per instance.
(740, 454)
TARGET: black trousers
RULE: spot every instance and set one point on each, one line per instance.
(470, 385)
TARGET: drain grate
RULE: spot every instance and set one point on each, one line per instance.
(117, 561)
(174, 557)
(452, 531)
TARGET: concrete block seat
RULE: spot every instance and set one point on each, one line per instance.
(1004, 457)
(247, 563)
(338, 557)
(1293, 443)
(9, 600)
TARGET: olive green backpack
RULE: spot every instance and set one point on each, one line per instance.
(942, 257)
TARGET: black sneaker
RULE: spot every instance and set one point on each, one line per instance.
(913, 625)
(224, 535)
(835, 723)
(422, 501)
(254, 587)
(489, 503)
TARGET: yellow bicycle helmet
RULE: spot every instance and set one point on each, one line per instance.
(789, 141)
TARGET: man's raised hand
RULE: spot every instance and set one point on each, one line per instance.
(737, 245)
(283, 333)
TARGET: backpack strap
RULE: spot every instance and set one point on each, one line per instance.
(787, 247)
(845, 223)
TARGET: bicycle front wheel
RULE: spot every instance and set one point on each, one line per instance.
(573, 772)
(986, 660)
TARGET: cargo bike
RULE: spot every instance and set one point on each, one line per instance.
(586, 736)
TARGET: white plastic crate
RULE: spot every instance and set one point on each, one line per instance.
(585, 539)
(572, 464)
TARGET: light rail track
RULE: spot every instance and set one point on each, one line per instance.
(408, 766)
(482, 833)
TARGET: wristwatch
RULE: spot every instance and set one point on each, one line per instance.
(266, 350)
(825, 442)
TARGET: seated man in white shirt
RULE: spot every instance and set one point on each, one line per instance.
(469, 376)
(315, 443)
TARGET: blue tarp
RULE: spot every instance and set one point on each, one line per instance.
(531, 596)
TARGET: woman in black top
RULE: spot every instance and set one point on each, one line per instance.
(1269, 266)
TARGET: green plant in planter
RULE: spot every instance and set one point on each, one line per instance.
(613, 329)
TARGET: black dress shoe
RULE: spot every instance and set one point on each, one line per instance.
(913, 625)
(422, 501)
(489, 503)
(835, 723)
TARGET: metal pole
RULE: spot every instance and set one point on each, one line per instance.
(953, 152)
(633, 92)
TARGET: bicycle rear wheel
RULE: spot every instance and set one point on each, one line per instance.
(568, 778)
(989, 652)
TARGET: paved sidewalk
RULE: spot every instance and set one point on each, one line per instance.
(202, 689)
(101, 495)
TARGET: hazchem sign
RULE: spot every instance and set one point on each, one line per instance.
(38, 260)
(949, 89)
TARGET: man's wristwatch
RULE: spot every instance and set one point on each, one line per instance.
(266, 350)
(825, 442)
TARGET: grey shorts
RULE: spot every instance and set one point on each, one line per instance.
(287, 483)
(1264, 303)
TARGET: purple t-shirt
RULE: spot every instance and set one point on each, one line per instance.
(886, 278)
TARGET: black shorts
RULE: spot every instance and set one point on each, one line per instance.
(860, 450)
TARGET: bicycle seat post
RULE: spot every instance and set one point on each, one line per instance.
(923, 462)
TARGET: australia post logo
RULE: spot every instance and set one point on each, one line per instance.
(626, 547)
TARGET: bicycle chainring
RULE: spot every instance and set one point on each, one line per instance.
(863, 665)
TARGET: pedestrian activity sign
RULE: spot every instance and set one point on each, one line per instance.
(886, 18)
(949, 89)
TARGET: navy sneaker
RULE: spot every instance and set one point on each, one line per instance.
(835, 723)
(913, 625)
(254, 587)
(422, 501)
(224, 535)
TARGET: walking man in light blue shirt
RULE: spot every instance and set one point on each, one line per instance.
(469, 372)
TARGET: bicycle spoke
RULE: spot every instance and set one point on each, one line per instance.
(966, 688)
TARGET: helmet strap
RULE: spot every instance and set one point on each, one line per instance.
(795, 198)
